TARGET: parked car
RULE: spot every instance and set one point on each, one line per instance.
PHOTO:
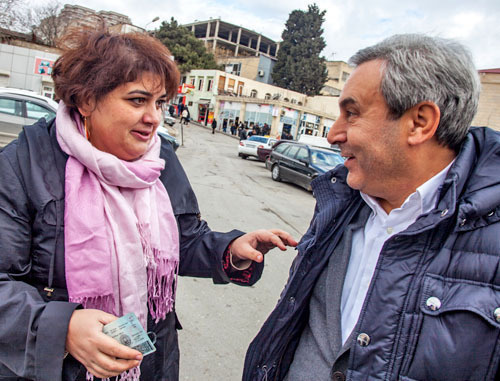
(163, 132)
(19, 108)
(264, 152)
(248, 147)
(168, 119)
(300, 163)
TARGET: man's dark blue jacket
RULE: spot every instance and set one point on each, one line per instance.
(451, 253)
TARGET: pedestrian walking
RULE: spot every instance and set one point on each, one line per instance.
(185, 116)
(214, 126)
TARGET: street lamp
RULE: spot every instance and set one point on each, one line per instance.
(152, 21)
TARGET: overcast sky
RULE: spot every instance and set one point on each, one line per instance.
(349, 24)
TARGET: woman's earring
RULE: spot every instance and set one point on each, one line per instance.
(87, 133)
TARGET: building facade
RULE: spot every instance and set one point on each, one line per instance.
(233, 99)
(338, 72)
(229, 40)
(241, 51)
(26, 65)
(76, 16)
(488, 112)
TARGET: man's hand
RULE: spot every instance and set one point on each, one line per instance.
(253, 246)
(102, 355)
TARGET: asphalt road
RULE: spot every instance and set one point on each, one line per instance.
(219, 321)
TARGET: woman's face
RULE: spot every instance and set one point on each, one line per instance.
(125, 120)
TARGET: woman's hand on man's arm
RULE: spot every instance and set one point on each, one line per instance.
(253, 246)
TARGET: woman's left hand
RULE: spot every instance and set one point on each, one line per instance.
(253, 246)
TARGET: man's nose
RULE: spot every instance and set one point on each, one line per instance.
(337, 133)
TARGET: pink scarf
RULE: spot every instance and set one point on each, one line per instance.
(121, 237)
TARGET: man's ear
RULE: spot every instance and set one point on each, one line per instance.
(86, 107)
(423, 120)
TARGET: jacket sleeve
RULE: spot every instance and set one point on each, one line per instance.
(32, 331)
(202, 251)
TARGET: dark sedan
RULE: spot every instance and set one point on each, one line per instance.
(299, 163)
(264, 152)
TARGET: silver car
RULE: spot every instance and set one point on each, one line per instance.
(249, 146)
(19, 108)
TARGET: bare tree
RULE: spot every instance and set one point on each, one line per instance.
(11, 15)
(43, 20)
(47, 25)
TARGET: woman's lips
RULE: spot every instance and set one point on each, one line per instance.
(141, 135)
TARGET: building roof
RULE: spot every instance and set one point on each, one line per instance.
(494, 71)
(229, 26)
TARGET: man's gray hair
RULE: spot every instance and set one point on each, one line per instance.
(420, 68)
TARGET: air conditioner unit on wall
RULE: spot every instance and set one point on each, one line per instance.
(261, 73)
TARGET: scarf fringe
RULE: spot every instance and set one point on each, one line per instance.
(104, 303)
(161, 291)
(133, 374)
(161, 273)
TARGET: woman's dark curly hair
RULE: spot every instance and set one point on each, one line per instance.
(94, 63)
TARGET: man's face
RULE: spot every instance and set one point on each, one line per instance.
(373, 145)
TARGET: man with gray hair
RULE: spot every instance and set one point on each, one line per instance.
(398, 276)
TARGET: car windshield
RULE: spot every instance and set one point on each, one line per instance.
(259, 139)
(325, 158)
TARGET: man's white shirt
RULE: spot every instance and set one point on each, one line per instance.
(368, 241)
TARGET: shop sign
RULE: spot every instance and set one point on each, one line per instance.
(43, 66)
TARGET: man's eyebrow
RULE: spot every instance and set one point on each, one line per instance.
(347, 102)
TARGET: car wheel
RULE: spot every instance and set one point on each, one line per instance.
(275, 173)
(243, 156)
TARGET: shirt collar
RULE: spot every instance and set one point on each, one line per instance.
(427, 194)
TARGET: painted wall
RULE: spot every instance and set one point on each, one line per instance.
(26, 68)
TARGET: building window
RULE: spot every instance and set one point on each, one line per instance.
(230, 84)
(344, 76)
(253, 93)
(286, 100)
(192, 80)
(267, 96)
(299, 103)
(222, 83)
(233, 68)
(210, 83)
(200, 84)
(294, 101)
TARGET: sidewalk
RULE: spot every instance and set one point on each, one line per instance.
(175, 129)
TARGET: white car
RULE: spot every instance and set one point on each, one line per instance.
(249, 146)
(19, 108)
(168, 119)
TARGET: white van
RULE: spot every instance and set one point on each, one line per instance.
(317, 141)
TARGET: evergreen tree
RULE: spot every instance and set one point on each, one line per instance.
(189, 52)
(299, 66)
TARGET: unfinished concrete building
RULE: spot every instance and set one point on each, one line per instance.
(229, 40)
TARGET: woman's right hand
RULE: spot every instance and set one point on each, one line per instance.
(102, 355)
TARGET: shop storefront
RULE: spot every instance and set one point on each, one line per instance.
(309, 124)
(259, 114)
(229, 112)
(327, 124)
(288, 121)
